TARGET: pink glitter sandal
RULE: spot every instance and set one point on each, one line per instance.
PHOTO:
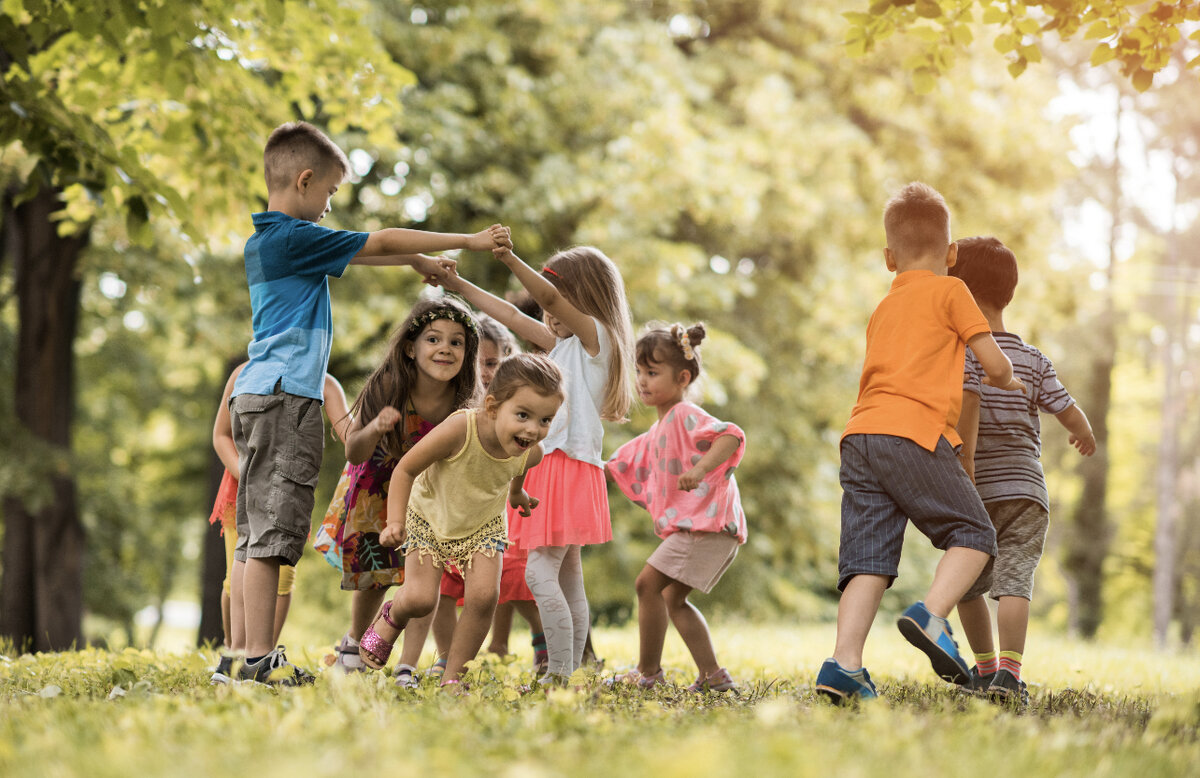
(373, 649)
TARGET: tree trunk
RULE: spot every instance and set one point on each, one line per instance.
(1091, 534)
(41, 591)
(212, 573)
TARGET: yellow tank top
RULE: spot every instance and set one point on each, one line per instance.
(459, 495)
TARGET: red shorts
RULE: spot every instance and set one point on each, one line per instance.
(512, 581)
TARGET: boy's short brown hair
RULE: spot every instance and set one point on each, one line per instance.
(917, 222)
(298, 146)
(988, 268)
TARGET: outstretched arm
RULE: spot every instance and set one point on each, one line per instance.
(722, 449)
(442, 442)
(526, 327)
(1082, 437)
(399, 242)
(551, 300)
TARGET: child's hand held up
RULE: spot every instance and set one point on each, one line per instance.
(386, 419)
(522, 503)
(486, 240)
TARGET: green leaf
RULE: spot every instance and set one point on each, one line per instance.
(962, 36)
(1005, 42)
(929, 9)
(1015, 69)
(1142, 80)
(1101, 29)
(994, 15)
(1101, 54)
(923, 81)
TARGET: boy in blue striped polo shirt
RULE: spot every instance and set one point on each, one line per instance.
(275, 407)
(1001, 450)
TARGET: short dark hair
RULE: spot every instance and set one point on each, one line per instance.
(298, 146)
(988, 268)
(916, 222)
(536, 371)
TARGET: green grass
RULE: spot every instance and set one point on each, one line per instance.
(1096, 710)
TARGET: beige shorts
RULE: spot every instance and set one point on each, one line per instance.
(1020, 536)
(697, 559)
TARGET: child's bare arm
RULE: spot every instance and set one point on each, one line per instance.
(361, 439)
(518, 498)
(995, 363)
(722, 449)
(526, 327)
(968, 430)
(223, 427)
(1082, 437)
(399, 242)
(551, 300)
(442, 442)
(336, 409)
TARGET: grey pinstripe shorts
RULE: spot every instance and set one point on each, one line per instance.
(888, 481)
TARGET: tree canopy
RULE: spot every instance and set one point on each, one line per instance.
(1141, 37)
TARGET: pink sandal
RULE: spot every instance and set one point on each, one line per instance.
(373, 649)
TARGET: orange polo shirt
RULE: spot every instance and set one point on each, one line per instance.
(912, 376)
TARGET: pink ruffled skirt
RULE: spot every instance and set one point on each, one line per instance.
(572, 508)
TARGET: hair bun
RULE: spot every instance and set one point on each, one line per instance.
(696, 334)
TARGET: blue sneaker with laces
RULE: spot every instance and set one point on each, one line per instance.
(932, 635)
(842, 686)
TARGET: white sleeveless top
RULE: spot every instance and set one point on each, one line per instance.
(576, 429)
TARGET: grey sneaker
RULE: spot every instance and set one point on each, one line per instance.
(1009, 689)
(979, 683)
(274, 669)
(223, 672)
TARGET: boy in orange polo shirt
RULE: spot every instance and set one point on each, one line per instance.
(899, 450)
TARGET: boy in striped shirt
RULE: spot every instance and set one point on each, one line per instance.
(1001, 451)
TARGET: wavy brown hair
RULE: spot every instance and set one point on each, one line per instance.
(392, 381)
(590, 281)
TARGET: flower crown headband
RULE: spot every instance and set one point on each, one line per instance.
(451, 314)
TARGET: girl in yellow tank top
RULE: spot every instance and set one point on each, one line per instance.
(446, 505)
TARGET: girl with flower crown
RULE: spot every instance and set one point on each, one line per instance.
(428, 373)
(681, 471)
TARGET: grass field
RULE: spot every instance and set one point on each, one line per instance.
(1096, 710)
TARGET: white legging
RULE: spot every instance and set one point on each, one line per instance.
(555, 576)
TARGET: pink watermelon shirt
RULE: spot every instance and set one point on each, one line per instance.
(647, 470)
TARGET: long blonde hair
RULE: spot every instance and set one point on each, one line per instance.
(590, 281)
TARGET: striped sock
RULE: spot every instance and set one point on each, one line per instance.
(987, 663)
(540, 654)
(1011, 661)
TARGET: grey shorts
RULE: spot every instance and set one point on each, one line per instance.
(888, 481)
(280, 438)
(1020, 535)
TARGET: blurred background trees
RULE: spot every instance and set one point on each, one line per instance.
(729, 156)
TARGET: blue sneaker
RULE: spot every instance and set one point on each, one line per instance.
(932, 635)
(841, 686)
